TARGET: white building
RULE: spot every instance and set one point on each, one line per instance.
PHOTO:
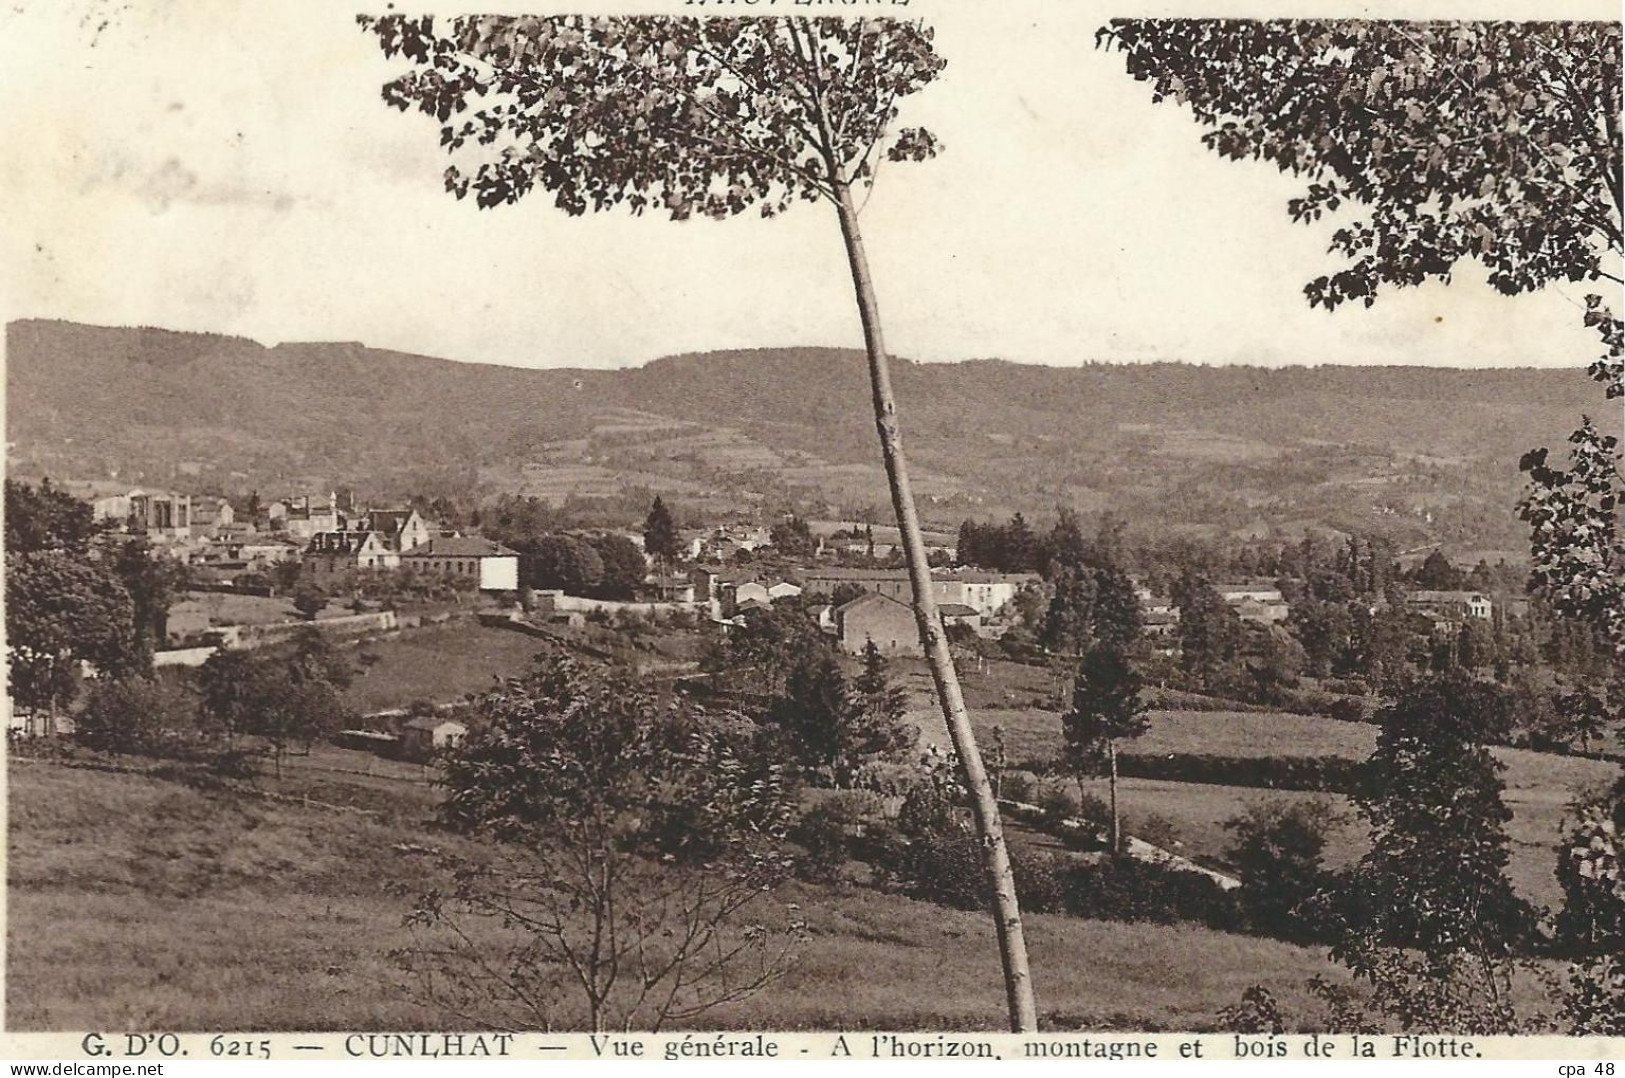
(494, 566)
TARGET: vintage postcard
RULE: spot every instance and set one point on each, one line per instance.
(897, 529)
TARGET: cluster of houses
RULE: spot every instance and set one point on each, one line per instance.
(881, 609)
(726, 542)
(857, 606)
(328, 535)
(377, 540)
(332, 538)
(205, 532)
(1261, 603)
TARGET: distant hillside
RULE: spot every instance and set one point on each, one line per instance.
(1421, 453)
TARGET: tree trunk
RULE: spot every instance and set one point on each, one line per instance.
(1117, 826)
(934, 642)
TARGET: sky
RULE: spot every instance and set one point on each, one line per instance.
(228, 165)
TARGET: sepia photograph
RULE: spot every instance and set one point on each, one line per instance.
(884, 517)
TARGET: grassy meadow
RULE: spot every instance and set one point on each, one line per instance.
(439, 664)
(1539, 786)
(138, 902)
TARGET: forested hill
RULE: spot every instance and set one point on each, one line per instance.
(1413, 449)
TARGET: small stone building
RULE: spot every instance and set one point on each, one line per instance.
(421, 738)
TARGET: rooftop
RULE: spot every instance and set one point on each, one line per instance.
(431, 722)
(464, 546)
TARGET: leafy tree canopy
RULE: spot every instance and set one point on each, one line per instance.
(1435, 877)
(44, 518)
(684, 115)
(61, 609)
(1497, 142)
(1577, 547)
(1106, 707)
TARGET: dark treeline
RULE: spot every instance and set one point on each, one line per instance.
(553, 552)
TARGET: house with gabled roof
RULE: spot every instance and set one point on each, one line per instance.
(885, 621)
(403, 529)
(332, 554)
(422, 737)
(491, 565)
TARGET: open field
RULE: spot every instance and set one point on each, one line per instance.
(202, 610)
(1539, 786)
(439, 664)
(1032, 734)
(136, 902)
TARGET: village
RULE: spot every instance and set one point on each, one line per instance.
(368, 566)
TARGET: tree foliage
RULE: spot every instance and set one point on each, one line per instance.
(1432, 795)
(879, 724)
(565, 562)
(641, 838)
(1576, 544)
(793, 538)
(623, 566)
(310, 600)
(45, 518)
(1210, 632)
(1494, 142)
(686, 116)
(660, 539)
(1428, 918)
(834, 727)
(567, 748)
(62, 610)
(1278, 850)
(153, 582)
(290, 696)
(1591, 924)
(138, 715)
(1106, 708)
(760, 654)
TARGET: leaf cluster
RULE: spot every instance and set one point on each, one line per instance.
(689, 116)
(1494, 142)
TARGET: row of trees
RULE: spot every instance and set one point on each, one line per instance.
(605, 566)
(278, 699)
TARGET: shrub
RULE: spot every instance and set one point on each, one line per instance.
(1278, 849)
(886, 778)
(827, 831)
(1348, 709)
(1040, 882)
(1157, 830)
(1257, 1012)
(1319, 774)
(1057, 805)
(1017, 786)
(234, 764)
(1095, 810)
(942, 865)
(309, 600)
(1126, 889)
